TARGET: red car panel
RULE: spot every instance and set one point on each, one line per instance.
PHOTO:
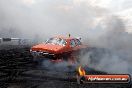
(58, 46)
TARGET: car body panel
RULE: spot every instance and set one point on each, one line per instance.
(66, 47)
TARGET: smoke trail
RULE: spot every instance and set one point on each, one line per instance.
(100, 23)
(114, 45)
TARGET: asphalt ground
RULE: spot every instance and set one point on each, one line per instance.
(18, 70)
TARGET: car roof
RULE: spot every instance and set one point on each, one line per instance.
(63, 37)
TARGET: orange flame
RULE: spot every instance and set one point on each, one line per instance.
(81, 71)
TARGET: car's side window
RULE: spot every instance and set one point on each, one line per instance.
(78, 42)
(72, 43)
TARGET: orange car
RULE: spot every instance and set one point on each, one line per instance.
(58, 48)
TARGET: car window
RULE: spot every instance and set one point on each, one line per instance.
(72, 43)
(78, 42)
(56, 41)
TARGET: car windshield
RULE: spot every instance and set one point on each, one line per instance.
(56, 41)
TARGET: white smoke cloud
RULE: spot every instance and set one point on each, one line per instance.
(100, 23)
(54, 15)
